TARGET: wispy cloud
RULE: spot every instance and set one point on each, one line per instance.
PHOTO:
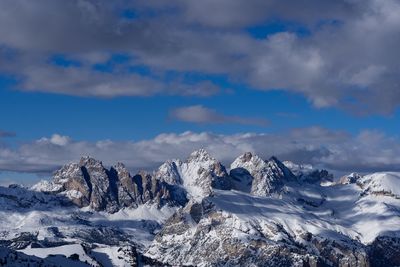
(201, 114)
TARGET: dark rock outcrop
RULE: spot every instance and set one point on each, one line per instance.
(89, 183)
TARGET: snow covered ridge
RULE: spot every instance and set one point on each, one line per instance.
(381, 183)
(88, 183)
(197, 213)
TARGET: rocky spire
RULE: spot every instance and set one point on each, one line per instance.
(200, 155)
(266, 177)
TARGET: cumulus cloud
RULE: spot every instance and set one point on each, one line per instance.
(56, 139)
(201, 114)
(336, 150)
(347, 59)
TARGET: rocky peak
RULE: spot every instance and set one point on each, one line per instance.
(197, 175)
(352, 178)
(243, 170)
(121, 171)
(200, 173)
(249, 161)
(169, 172)
(89, 183)
(68, 170)
(90, 162)
(120, 167)
(280, 169)
(103, 185)
(71, 181)
(124, 186)
(200, 155)
(266, 177)
(247, 156)
(271, 178)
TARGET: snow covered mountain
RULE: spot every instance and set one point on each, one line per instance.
(89, 183)
(268, 177)
(198, 213)
(197, 175)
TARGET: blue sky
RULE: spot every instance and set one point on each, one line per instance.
(178, 76)
(34, 115)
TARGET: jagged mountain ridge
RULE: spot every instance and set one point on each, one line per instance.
(282, 219)
(89, 183)
(257, 213)
(267, 177)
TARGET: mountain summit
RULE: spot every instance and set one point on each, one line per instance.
(263, 212)
(89, 183)
(267, 177)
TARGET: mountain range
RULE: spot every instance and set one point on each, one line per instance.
(197, 212)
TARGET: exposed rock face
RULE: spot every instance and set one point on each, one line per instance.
(102, 196)
(217, 232)
(199, 174)
(153, 190)
(201, 235)
(71, 180)
(88, 183)
(350, 179)
(268, 176)
(128, 191)
(273, 217)
(317, 176)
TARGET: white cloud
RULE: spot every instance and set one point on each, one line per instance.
(55, 139)
(336, 150)
(350, 53)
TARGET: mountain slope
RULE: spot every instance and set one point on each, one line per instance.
(241, 229)
(193, 212)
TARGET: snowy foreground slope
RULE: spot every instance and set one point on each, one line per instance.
(197, 213)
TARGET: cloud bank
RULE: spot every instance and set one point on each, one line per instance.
(336, 150)
(346, 56)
